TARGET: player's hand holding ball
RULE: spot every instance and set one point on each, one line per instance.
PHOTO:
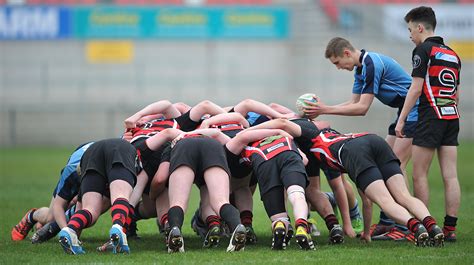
(308, 105)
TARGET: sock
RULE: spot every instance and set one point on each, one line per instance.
(401, 227)
(119, 211)
(429, 222)
(385, 220)
(175, 216)
(136, 214)
(163, 219)
(30, 217)
(70, 212)
(54, 228)
(450, 223)
(354, 212)
(129, 220)
(332, 199)
(246, 217)
(331, 221)
(302, 222)
(231, 215)
(412, 224)
(213, 220)
(80, 220)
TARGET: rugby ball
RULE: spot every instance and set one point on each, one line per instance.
(301, 104)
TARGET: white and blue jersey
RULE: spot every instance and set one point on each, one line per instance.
(69, 183)
(383, 77)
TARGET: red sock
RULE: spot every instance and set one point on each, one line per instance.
(120, 211)
(213, 220)
(429, 222)
(80, 220)
(412, 224)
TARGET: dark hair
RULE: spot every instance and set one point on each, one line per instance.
(336, 47)
(424, 15)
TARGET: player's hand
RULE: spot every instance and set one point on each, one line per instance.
(399, 128)
(131, 122)
(127, 136)
(314, 109)
(365, 237)
(284, 134)
(349, 231)
(177, 138)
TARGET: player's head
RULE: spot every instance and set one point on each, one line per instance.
(340, 52)
(421, 23)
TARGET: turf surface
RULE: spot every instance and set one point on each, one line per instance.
(29, 175)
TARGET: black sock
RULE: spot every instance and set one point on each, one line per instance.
(175, 216)
(331, 221)
(230, 215)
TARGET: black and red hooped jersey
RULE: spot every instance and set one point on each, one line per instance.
(267, 148)
(440, 67)
(327, 146)
(153, 127)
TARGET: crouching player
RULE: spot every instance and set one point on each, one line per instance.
(64, 193)
(108, 165)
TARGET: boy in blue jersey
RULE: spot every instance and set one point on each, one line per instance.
(65, 191)
(376, 76)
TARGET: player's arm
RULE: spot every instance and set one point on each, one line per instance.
(367, 215)
(225, 117)
(159, 139)
(337, 187)
(160, 107)
(280, 108)
(182, 107)
(358, 108)
(203, 108)
(59, 207)
(249, 105)
(238, 143)
(414, 92)
(142, 179)
(288, 126)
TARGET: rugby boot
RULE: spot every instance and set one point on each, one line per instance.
(289, 234)
(251, 237)
(44, 234)
(449, 235)
(198, 225)
(395, 234)
(379, 229)
(357, 225)
(175, 240)
(119, 240)
(336, 235)
(303, 238)
(237, 240)
(422, 237)
(313, 229)
(21, 230)
(213, 236)
(132, 231)
(69, 242)
(106, 247)
(436, 236)
(279, 236)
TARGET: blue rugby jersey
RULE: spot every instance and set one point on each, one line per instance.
(68, 184)
(383, 77)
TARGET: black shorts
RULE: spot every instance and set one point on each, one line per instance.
(383, 172)
(102, 155)
(285, 169)
(436, 133)
(185, 123)
(408, 130)
(198, 153)
(150, 160)
(237, 168)
(364, 152)
(103, 160)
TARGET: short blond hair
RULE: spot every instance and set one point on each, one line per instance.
(336, 47)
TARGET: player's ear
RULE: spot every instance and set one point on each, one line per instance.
(347, 52)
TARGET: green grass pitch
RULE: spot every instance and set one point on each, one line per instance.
(29, 175)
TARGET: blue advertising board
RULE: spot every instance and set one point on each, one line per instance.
(180, 22)
(117, 22)
(42, 22)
